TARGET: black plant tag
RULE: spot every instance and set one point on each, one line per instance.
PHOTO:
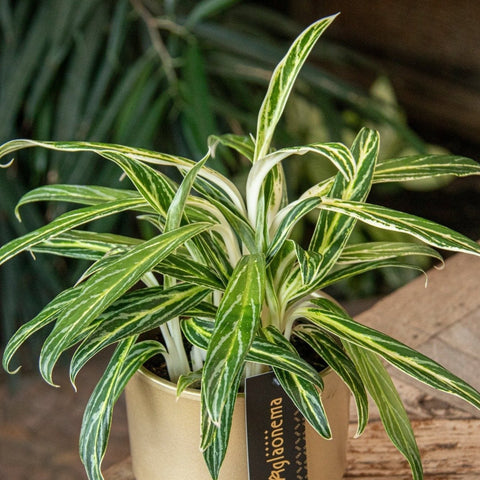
(275, 432)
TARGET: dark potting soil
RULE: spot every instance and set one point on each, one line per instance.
(157, 364)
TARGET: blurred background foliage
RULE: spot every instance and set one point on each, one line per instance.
(162, 75)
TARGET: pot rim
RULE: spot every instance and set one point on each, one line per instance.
(192, 393)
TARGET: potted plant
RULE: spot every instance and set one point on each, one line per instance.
(225, 284)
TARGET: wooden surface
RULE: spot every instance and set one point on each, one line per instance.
(442, 321)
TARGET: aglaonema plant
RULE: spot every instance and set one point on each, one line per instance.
(223, 274)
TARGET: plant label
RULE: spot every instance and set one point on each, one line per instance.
(275, 431)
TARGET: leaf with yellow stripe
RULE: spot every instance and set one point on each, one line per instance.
(427, 231)
(390, 406)
(125, 361)
(105, 286)
(406, 359)
(281, 84)
(236, 323)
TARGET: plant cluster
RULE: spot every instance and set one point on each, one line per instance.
(156, 74)
(223, 272)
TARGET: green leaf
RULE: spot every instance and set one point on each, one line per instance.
(199, 332)
(429, 232)
(417, 167)
(45, 317)
(205, 9)
(135, 313)
(65, 222)
(281, 84)
(392, 411)
(105, 286)
(363, 267)
(370, 251)
(240, 143)
(84, 244)
(329, 350)
(235, 326)
(304, 394)
(401, 356)
(126, 360)
(87, 195)
(197, 115)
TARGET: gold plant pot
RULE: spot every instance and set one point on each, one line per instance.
(165, 433)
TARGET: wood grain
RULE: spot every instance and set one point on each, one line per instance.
(449, 448)
(442, 321)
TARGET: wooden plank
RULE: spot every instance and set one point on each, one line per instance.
(419, 404)
(449, 448)
(442, 321)
(120, 471)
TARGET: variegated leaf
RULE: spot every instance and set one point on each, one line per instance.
(66, 222)
(417, 167)
(281, 84)
(188, 380)
(363, 267)
(236, 221)
(86, 195)
(84, 245)
(241, 144)
(44, 318)
(177, 204)
(290, 218)
(105, 286)
(371, 251)
(136, 313)
(156, 188)
(235, 326)
(215, 437)
(305, 395)
(271, 198)
(329, 350)
(392, 412)
(309, 263)
(126, 360)
(199, 332)
(401, 356)
(336, 153)
(108, 151)
(427, 231)
(332, 231)
(184, 268)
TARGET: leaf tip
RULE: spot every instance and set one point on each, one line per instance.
(8, 164)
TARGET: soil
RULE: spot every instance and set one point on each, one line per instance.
(158, 366)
